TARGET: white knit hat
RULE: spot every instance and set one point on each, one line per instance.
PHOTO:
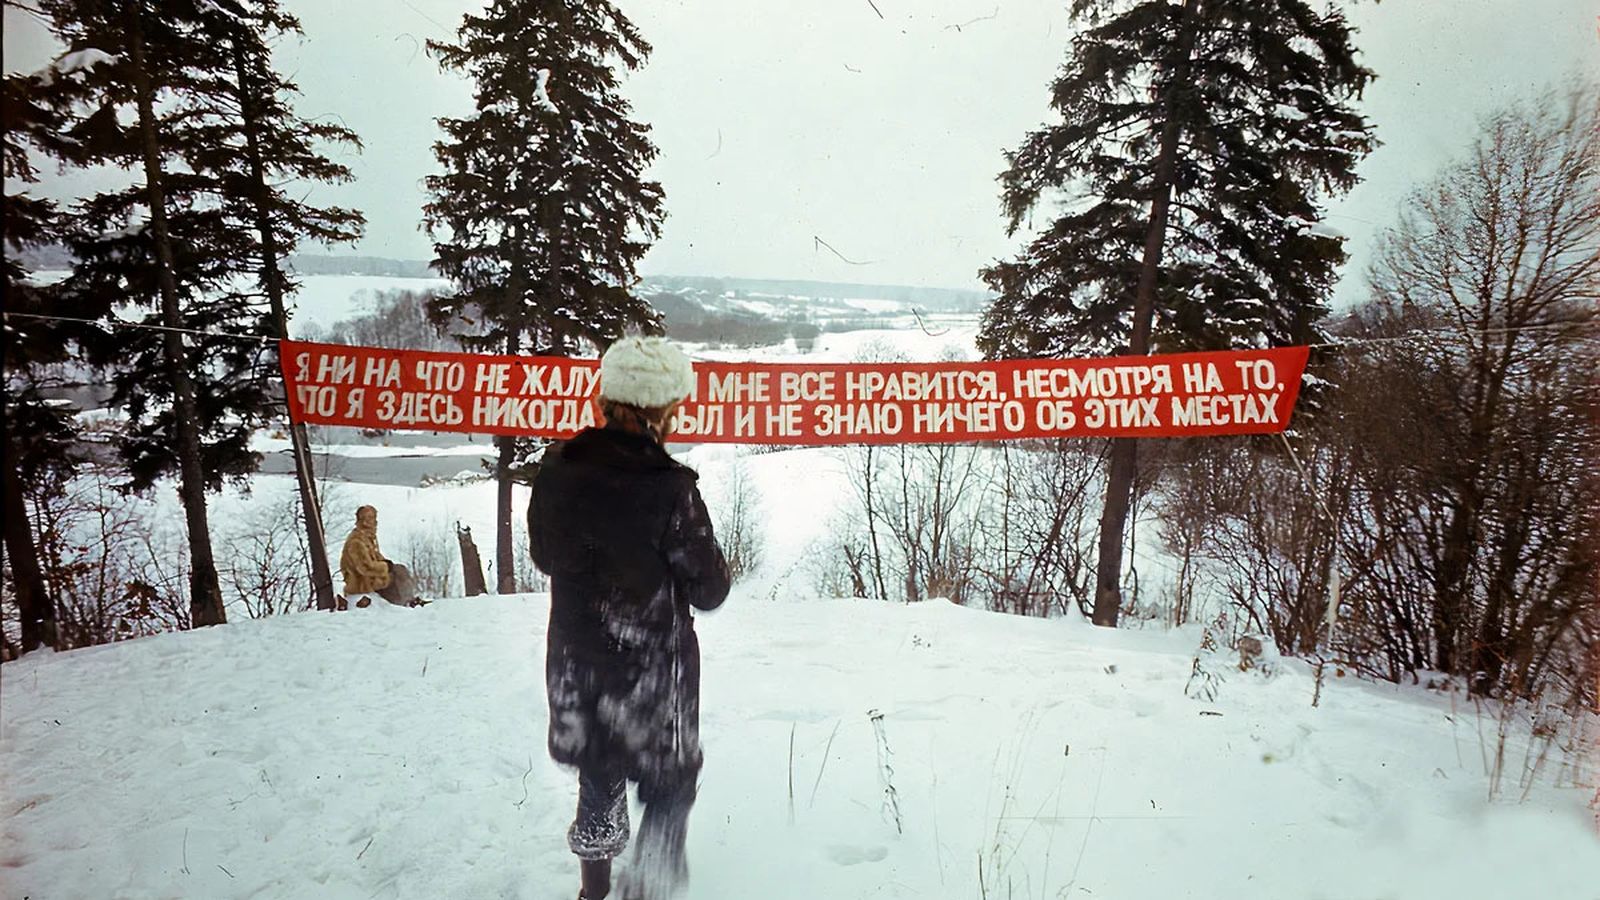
(645, 371)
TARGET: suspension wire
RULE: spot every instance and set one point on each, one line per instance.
(114, 324)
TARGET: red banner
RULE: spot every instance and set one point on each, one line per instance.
(1240, 392)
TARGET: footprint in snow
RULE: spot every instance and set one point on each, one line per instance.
(846, 855)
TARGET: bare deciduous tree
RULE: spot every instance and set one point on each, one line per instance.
(1502, 257)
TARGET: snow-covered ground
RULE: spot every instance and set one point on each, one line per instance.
(854, 749)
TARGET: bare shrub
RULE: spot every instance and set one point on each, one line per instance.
(1005, 527)
(911, 532)
(268, 568)
(430, 554)
(112, 573)
(738, 524)
(528, 577)
(1477, 467)
(1247, 509)
(922, 510)
(1035, 527)
(838, 564)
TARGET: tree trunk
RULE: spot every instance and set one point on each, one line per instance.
(505, 572)
(505, 552)
(272, 281)
(205, 593)
(34, 606)
(1125, 451)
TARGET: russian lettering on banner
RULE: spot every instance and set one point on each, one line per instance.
(413, 390)
(1240, 392)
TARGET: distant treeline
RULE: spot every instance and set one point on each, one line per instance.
(54, 257)
(947, 299)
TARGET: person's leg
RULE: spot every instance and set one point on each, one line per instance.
(600, 831)
(660, 868)
(667, 786)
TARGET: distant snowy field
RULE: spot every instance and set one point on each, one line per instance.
(855, 749)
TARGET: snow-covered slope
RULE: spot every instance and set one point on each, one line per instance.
(854, 749)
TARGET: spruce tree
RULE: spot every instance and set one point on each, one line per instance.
(163, 251)
(40, 438)
(1195, 146)
(254, 147)
(542, 211)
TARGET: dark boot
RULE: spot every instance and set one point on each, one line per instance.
(596, 878)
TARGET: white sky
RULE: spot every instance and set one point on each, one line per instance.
(780, 122)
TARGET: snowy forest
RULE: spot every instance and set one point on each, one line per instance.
(1390, 612)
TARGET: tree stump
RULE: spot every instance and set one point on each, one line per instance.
(471, 563)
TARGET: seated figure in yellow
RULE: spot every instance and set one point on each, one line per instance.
(367, 571)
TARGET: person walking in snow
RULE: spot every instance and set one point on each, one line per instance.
(367, 571)
(620, 528)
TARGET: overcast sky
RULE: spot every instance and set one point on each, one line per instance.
(783, 122)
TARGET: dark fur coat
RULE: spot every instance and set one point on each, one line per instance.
(620, 528)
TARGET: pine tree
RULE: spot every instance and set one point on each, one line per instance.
(41, 438)
(195, 386)
(255, 146)
(1195, 146)
(542, 204)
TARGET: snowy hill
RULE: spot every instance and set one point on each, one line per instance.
(396, 753)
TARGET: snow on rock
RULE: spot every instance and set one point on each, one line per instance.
(399, 753)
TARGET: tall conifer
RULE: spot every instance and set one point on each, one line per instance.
(542, 211)
(257, 147)
(184, 93)
(159, 250)
(1195, 144)
(40, 437)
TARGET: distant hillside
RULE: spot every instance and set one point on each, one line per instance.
(947, 299)
(707, 289)
(927, 298)
(322, 264)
